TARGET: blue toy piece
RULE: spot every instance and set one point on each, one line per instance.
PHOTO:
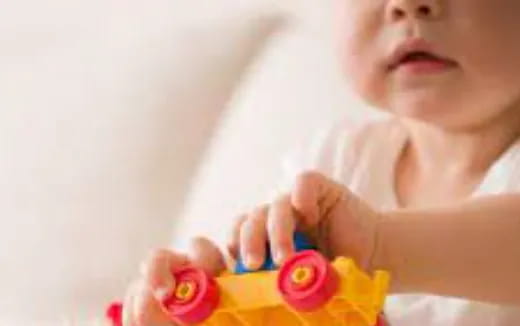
(301, 242)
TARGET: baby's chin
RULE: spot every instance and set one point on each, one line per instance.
(441, 111)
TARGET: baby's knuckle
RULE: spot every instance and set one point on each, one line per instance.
(282, 199)
(198, 241)
(259, 209)
(308, 177)
(259, 213)
(156, 256)
(239, 220)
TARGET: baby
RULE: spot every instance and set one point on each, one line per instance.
(431, 195)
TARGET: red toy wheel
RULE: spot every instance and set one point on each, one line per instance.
(381, 321)
(307, 280)
(114, 313)
(195, 297)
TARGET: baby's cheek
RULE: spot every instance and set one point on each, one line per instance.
(360, 59)
(366, 80)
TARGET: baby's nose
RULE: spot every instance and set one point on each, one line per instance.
(413, 9)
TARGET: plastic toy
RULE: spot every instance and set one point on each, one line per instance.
(307, 290)
(114, 313)
(300, 243)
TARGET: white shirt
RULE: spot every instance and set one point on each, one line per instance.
(363, 157)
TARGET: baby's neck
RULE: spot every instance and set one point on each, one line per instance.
(438, 166)
(470, 151)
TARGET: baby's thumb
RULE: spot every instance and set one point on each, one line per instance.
(157, 270)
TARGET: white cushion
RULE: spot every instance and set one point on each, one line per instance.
(294, 89)
(105, 109)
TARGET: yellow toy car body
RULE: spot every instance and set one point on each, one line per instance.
(307, 290)
(254, 300)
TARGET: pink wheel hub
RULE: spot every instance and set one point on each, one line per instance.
(307, 281)
(195, 296)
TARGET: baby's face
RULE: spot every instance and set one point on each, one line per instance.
(454, 63)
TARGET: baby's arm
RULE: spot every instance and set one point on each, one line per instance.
(467, 250)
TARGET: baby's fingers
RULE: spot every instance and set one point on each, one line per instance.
(253, 238)
(281, 226)
(157, 271)
(234, 237)
(206, 255)
(128, 305)
(314, 196)
(141, 308)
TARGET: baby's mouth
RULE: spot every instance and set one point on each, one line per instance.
(418, 57)
(420, 62)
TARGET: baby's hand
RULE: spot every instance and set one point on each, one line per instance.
(143, 301)
(338, 222)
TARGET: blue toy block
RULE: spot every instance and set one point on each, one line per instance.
(301, 242)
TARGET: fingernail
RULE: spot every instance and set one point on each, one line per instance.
(162, 293)
(281, 256)
(252, 262)
(278, 258)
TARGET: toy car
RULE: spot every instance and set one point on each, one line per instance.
(307, 290)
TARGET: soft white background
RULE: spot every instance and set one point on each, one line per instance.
(292, 90)
(108, 109)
